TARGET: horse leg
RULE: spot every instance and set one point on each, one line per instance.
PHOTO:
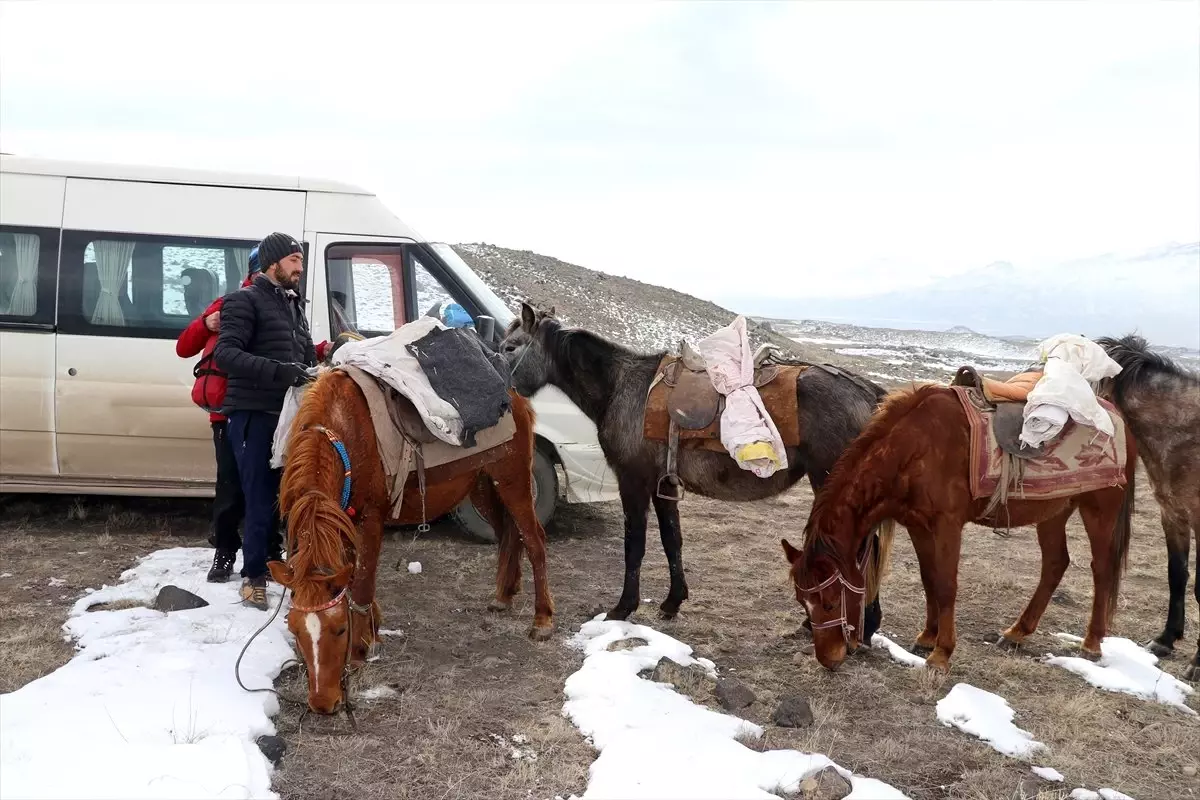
(1176, 531)
(1100, 524)
(635, 500)
(1052, 539)
(362, 590)
(667, 512)
(942, 553)
(1192, 673)
(508, 543)
(922, 541)
(516, 493)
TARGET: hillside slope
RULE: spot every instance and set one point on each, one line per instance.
(638, 315)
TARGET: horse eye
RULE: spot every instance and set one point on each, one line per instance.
(340, 631)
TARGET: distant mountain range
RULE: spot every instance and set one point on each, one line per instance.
(1155, 293)
(649, 318)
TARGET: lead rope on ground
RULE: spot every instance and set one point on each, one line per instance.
(237, 666)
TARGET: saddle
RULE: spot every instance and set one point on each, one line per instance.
(1005, 402)
(684, 408)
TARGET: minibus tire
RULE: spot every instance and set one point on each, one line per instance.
(545, 492)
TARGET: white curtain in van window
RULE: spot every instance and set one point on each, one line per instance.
(112, 270)
(241, 259)
(23, 302)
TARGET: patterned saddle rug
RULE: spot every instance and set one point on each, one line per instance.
(1080, 459)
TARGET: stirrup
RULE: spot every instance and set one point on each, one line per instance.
(674, 482)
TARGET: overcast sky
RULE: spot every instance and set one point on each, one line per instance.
(813, 148)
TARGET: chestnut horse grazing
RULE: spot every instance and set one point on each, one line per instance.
(334, 543)
(911, 465)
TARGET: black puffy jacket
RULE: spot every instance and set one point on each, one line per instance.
(262, 326)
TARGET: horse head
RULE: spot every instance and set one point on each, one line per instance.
(834, 596)
(526, 348)
(331, 630)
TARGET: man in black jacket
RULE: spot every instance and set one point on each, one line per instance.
(264, 347)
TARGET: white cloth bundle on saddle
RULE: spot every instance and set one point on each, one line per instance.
(747, 430)
(385, 358)
(1072, 364)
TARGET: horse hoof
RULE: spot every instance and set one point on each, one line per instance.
(919, 649)
(619, 613)
(668, 610)
(497, 607)
(541, 634)
(1161, 650)
(1192, 673)
(1008, 645)
(1090, 655)
(937, 664)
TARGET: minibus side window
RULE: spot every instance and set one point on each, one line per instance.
(366, 288)
(28, 274)
(117, 284)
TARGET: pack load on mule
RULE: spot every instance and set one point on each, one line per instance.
(718, 396)
(428, 399)
(936, 457)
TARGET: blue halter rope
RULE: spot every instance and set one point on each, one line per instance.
(340, 447)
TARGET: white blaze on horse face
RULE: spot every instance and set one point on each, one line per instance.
(312, 624)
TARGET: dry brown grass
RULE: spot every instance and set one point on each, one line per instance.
(468, 681)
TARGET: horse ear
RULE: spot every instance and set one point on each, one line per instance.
(789, 551)
(281, 572)
(340, 578)
(528, 318)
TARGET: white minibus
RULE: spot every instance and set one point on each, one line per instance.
(101, 268)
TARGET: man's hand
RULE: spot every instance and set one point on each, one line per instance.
(293, 374)
(213, 321)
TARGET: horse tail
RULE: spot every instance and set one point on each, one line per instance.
(310, 500)
(879, 566)
(1123, 530)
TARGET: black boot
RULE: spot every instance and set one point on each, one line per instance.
(222, 566)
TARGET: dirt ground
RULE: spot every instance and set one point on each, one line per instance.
(466, 681)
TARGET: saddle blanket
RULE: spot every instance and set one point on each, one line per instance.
(1081, 459)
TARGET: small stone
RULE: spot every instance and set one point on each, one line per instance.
(793, 712)
(172, 598)
(684, 678)
(827, 784)
(803, 655)
(733, 695)
(273, 747)
(1063, 598)
(627, 644)
(1189, 771)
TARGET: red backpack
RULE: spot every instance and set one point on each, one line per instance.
(208, 391)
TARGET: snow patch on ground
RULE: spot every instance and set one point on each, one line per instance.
(149, 706)
(377, 693)
(1048, 774)
(898, 653)
(1128, 668)
(986, 716)
(656, 743)
(1103, 794)
(414, 567)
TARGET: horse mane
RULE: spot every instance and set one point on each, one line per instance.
(1139, 364)
(588, 363)
(894, 406)
(320, 534)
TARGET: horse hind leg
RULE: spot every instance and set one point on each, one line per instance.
(508, 544)
(1178, 537)
(1192, 673)
(515, 489)
(1101, 517)
(1052, 539)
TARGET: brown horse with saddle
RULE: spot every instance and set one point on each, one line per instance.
(935, 458)
(358, 456)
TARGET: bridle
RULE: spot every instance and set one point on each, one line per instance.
(837, 577)
(342, 598)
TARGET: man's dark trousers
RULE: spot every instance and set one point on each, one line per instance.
(228, 505)
(251, 433)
